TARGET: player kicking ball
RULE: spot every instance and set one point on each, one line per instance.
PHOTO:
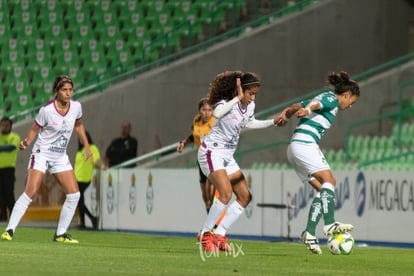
(315, 117)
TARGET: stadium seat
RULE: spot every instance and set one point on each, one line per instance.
(47, 18)
(80, 17)
(109, 33)
(4, 16)
(71, 7)
(100, 18)
(18, 98)
(161, 24)
(101, 5)
(212, 13)
(27, 35)
(11, 59)
(94, 62)
(43, 91)
(64, 45)
(140, 35)
(39, 45)
(154, 8)
(91, 45)
(22, 15)
(129, 5)
(184, 12)
(53, 34)
(42, 85)
(114, 48)
(37, 59)
(43, 74)
(49, 5)
(2, 105)
(92, 50)
(81, 33)
(63, 62)
(77, 75)
(17, 105)
(128, 19)
(16, 73)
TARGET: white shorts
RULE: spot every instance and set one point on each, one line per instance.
(306, 159)
(39, 162)
(211, 160)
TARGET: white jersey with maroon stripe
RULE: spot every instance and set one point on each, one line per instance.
(226, 131)
(56, 128)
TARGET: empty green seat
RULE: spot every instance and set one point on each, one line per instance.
(140, 36)
(102, 5)
(53, 34)
(2, 105)
(81, 33)
(37, 59)
(21, 17)
(50, 5)
(18, 72)
(128, 19)
(27, 34)
(154, 8)
(109, 33)
(161, 23)
(65, 61)
(47, 18)
(94, 61)
(11, 59)
(213, 13)
(17, 105)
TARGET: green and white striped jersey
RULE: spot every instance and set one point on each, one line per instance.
(311, 128)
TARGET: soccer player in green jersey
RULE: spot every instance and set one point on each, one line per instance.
(316, 116)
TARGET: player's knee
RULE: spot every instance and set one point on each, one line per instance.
(249, 198)
(73, 196)
(245, 199)
(225, 197)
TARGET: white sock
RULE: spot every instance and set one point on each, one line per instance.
(233, 213)
(328, 186)
(213, 215)
(67, 212)
(18, 211)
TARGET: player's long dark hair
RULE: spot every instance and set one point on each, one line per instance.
(342, 83)
(88, 136)
(224, 86)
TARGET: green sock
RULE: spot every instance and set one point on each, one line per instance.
(328, 205)
(315, 214)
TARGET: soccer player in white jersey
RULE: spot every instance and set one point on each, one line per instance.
(53, 127)
(316, 116)
(232, 95)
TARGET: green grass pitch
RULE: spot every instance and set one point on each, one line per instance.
(32, 252)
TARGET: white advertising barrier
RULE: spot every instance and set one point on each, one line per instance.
(166, 200)
(379, 204)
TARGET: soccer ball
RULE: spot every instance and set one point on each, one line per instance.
(341, 243)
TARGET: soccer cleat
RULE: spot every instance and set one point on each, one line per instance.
(7, 236)
(64, 238)
(311, 242)
(207, 241)
(337, 227)
(221, 243)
